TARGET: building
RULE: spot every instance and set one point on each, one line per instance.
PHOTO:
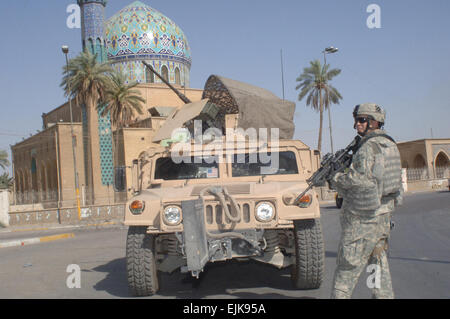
(426, 158)
(44, 164)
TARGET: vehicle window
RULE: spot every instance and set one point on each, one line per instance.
(166, 169)
(255, 164)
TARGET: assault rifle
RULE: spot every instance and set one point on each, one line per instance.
(330, 165)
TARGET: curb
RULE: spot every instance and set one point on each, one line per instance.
(17, 229)
(36, 240)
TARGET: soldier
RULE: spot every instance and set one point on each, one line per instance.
(371, 188)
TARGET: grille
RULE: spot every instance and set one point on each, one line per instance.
(232, 189)
(216, 215)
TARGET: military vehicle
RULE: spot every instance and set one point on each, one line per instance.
(231, 201)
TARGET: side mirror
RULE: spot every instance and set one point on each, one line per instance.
(120, 179)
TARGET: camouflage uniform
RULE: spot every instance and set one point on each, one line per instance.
(371, 189)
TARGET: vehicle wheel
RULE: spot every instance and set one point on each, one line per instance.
(339, 201)
(308, 269)
(141, 265)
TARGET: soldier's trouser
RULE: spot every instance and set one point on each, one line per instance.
(362, 243)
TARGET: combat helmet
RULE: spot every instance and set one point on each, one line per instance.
(372, 110)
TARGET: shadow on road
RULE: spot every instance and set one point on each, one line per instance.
(115, 282)
(230, 279)
(330, 208)
(421, 260)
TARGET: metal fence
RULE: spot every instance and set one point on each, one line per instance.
(417, 174)
(50, 198)
(32, 197)
(443, 171)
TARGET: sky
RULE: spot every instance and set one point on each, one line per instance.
(403, 64)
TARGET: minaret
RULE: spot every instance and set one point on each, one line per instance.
(92, 26)
(99, 166)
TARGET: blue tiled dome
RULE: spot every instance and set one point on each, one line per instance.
(139, 32)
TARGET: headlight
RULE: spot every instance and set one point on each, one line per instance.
(172, 215)
(137, 207)
(265, 212)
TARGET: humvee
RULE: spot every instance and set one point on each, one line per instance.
(185, 215)
(233, 201)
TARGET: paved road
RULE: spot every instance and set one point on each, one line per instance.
(419, 260)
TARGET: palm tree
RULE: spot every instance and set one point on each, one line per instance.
(313, 81)
(6, 182)
(85, 80)
(4, 162)
(123, 102)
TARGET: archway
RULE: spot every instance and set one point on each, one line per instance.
(419, 161)
(26, 186)
(18, 176)
(442, 165)
(149, 76)
(51, 178)
(43, 181)
(177, 76)
(34, 180)
(165, 73)
(419, 169)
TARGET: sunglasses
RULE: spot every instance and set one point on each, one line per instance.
(361, 120)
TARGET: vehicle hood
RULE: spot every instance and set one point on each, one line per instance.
(237, 190)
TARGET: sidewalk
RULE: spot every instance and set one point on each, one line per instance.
(34, 234)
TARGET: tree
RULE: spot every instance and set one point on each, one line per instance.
(4, 162)
(85, 79)
(123, 102)
(314, 83)
(6, 182)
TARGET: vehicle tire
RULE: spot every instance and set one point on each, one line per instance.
(308, 269)
(339, 201)
(141, 264)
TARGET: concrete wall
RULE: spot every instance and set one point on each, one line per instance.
(89, 214)
(65, 163)
(428, 185)
(4, 208)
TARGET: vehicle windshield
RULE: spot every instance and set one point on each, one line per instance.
(198, 168)
(255, 164)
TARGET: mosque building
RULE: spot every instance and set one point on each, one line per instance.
(44, 165)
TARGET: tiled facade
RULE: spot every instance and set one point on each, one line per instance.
(139, 32)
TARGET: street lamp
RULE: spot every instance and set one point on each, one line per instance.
(65, 50)
(329, 50)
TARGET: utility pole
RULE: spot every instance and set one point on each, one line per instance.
(65, 50)
(329, 50)
(282, 72)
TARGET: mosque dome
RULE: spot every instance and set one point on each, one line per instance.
(139, 32)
